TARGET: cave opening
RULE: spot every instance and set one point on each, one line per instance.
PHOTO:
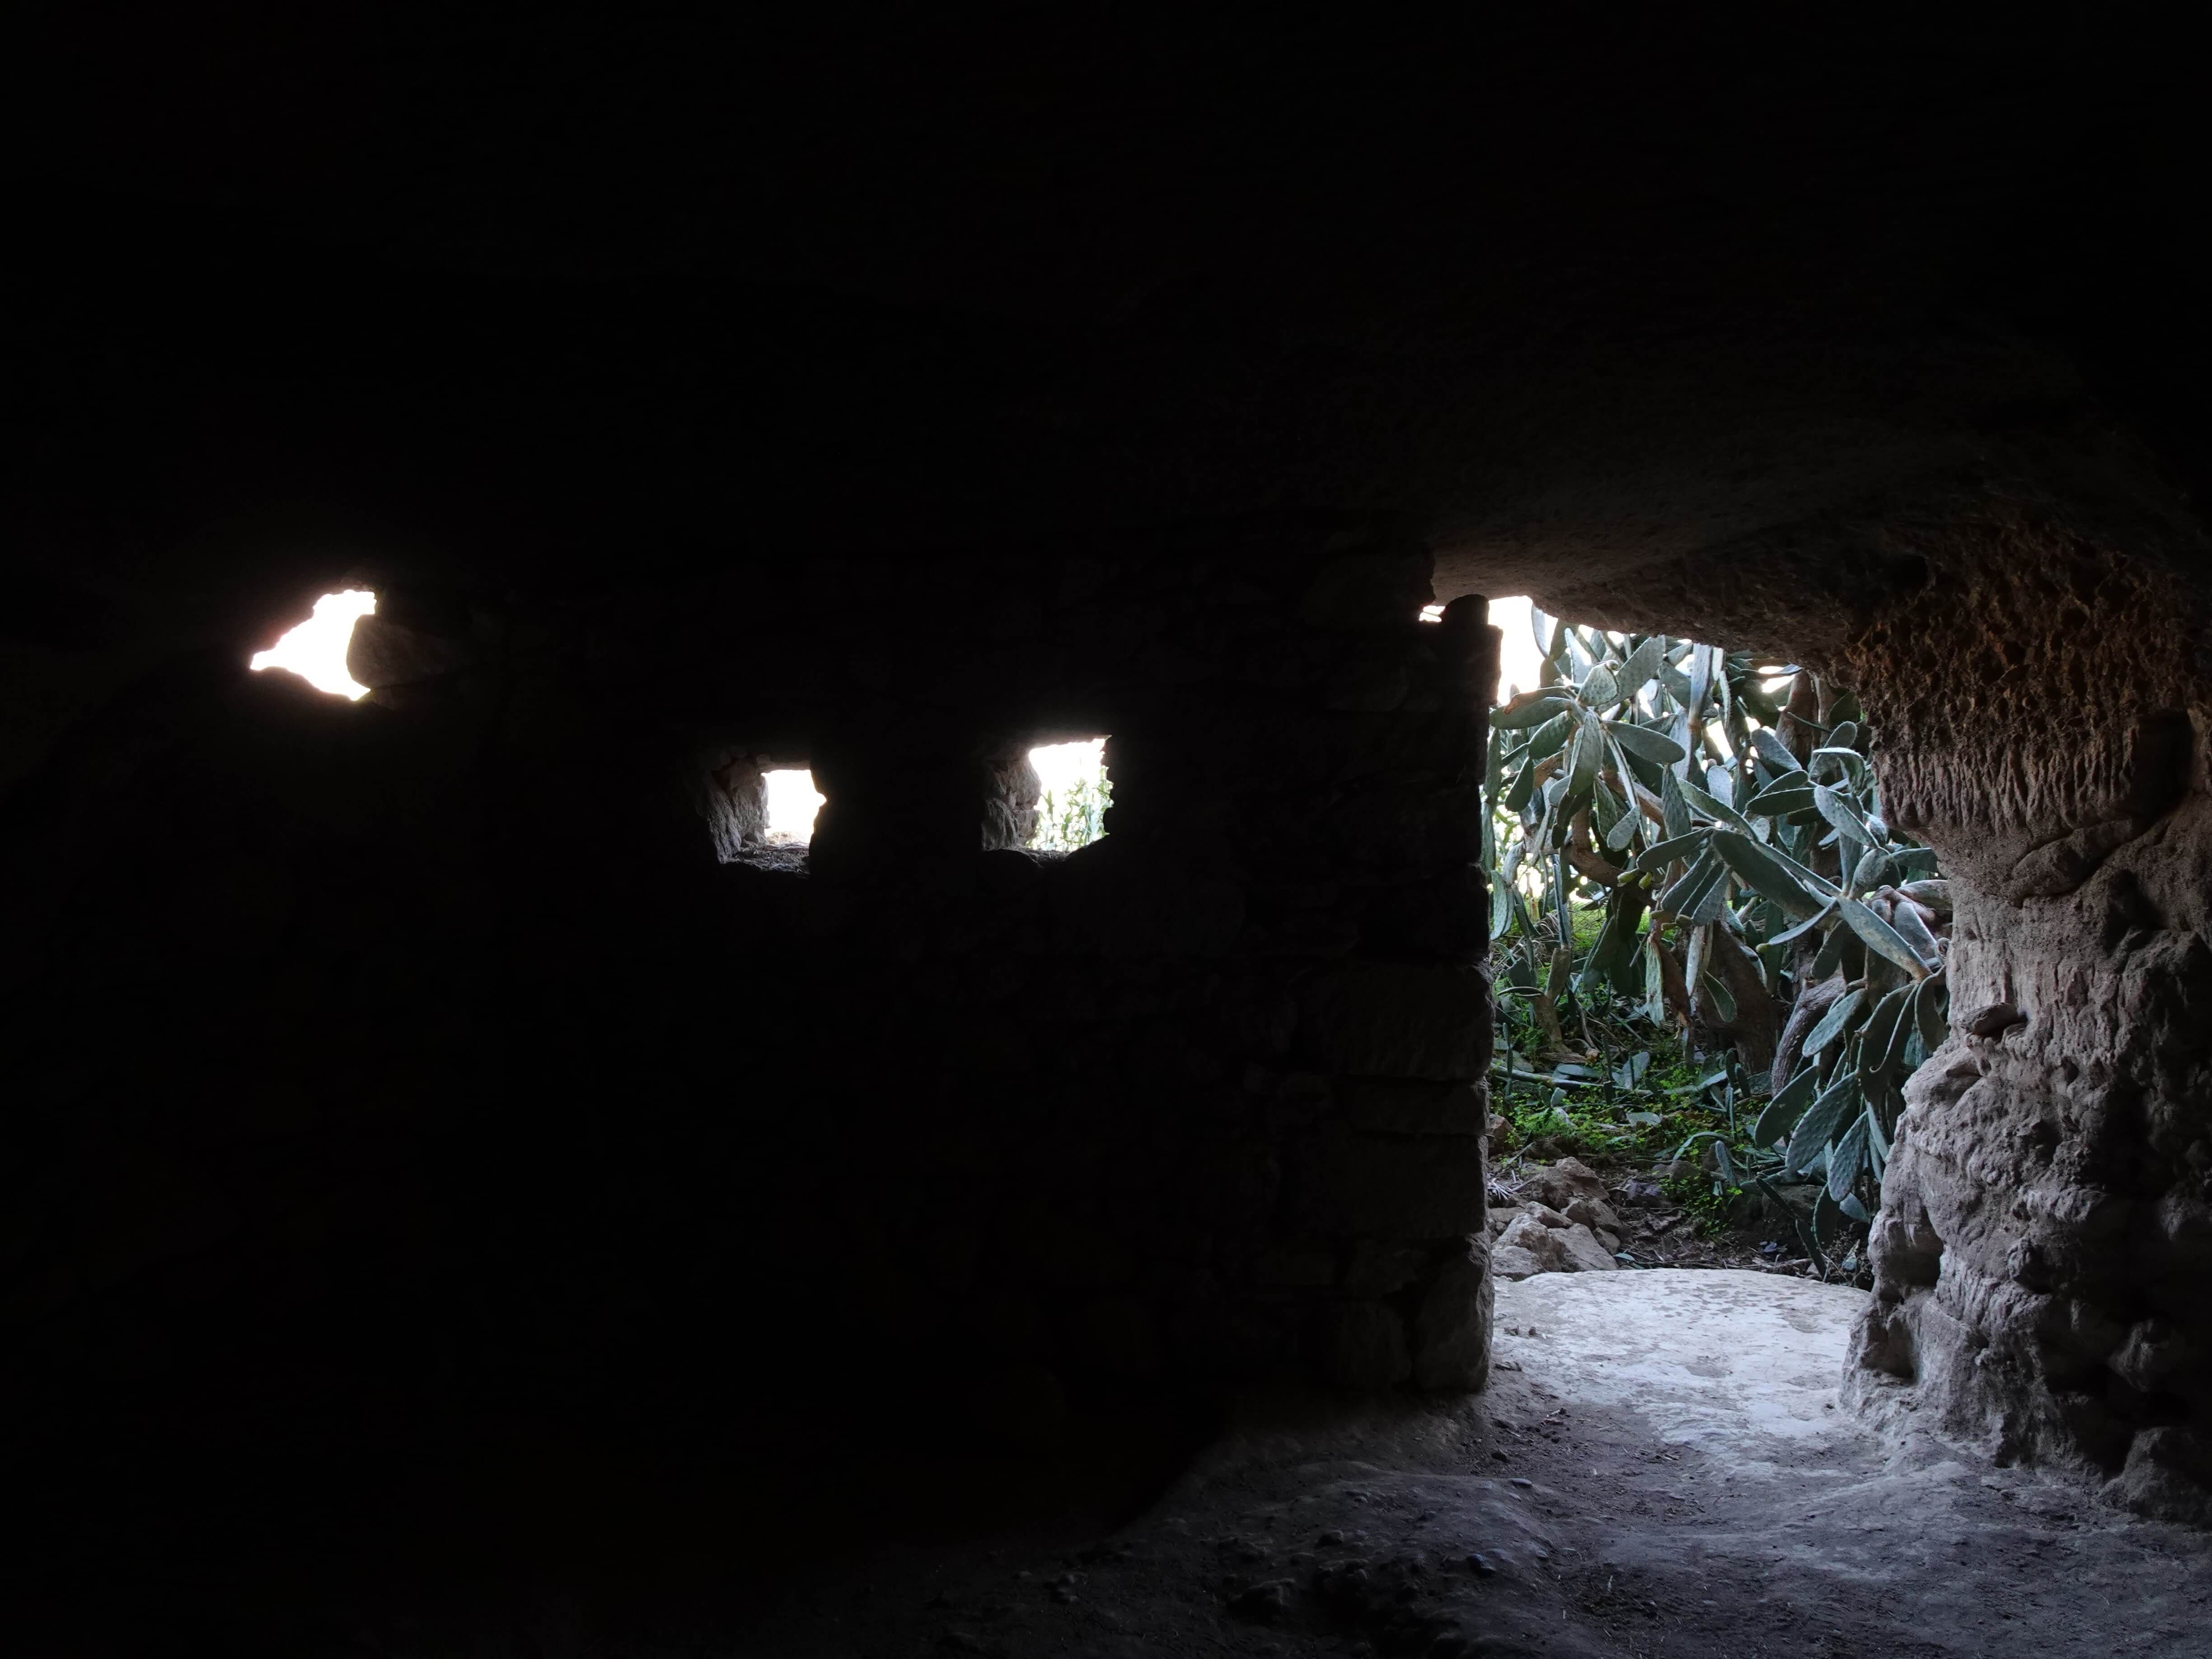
(1671, 828)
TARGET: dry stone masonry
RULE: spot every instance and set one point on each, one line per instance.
(1203, 1100)
(1232, 1056)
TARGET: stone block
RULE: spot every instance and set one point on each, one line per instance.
(1397, 1020)
(384, 653)
(1390, 1189)
(1381, 588)
(1380, 1269)
(1392, 1106)
(1369, 683)
(1446, 917)
(1408, 828)
(1266, 749)
(1367, 1346)
(1111, 897)
(1290, 1266)
(1451, 1332)
(1470, 647)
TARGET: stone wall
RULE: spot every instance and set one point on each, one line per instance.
(1234, 1053)
(458, 1046)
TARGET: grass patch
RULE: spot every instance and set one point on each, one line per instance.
(1640, 1107)
(1703, 1199)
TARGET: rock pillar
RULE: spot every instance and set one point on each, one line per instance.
(2043, 1258)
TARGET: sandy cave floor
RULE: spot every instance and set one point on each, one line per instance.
(1659, 1466)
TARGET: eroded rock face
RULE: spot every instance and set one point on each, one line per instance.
(2043, 1256)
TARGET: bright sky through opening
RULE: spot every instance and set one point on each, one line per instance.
(1519, 662)
(1062, 765)
(1518, 659)
(793, 801)
(316, 649)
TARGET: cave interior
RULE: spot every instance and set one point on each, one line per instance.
(446, 1123)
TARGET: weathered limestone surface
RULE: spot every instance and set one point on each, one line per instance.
(2043, 1254)
(2045, 1242)
(2031, 631)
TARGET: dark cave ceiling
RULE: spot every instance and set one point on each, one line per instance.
(551, 296)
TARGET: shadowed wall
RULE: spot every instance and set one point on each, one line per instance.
(711, 397)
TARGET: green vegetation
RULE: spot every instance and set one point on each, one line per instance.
(1686, 847)
(1073, 816)
(1706, 1201)
(1645, 1108)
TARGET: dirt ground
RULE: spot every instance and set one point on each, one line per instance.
(1660, 1467)
(1660, 1230)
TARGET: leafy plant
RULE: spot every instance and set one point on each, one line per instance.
(1073, 815)
(1686, 842)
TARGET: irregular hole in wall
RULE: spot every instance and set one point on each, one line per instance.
(794, 802)
(316, 649)
(1073, 794)
(760, 807)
